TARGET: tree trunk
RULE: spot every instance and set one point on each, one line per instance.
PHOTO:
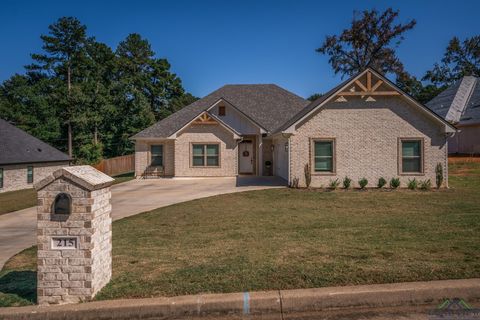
(69, 87)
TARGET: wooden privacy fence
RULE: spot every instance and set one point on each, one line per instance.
(458, 159)
(117, 165)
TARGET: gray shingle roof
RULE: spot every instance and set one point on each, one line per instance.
(266, 104)
(17, 146)
(442, 103)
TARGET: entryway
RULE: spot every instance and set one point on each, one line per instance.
(246, 156)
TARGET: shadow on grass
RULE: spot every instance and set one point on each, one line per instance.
(20, 283)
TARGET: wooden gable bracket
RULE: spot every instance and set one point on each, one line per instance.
(366, 89)
(204, 118)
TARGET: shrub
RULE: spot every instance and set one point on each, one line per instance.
(439, 175)
(347, 182)
(294, 183)
(308, 175)
(362, 183)
(381, 182)
(412, 184)
(334, 184)
(425, 185)
(395, 183)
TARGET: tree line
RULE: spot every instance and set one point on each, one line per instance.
(87, 99)
(372, 40)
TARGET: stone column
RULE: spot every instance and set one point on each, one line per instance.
(74, 235)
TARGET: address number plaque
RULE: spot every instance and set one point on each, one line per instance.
(64, 242)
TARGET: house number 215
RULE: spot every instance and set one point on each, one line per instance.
(64, 243)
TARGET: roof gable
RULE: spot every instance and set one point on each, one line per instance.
(17, 146)
(268, 105)
(206, 118)
(366, 84)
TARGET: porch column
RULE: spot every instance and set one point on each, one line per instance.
(260, 155)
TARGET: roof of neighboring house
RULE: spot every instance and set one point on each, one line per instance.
(459, 103)
(267, 105)
(17, 146)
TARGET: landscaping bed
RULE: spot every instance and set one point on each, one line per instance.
(288, 238)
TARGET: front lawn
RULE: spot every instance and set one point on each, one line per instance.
(287, 238)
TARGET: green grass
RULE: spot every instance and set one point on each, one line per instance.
(288, 238)
(22, 199)
(17, 200)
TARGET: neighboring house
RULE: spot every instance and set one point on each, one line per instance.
(460, 105)
(25, 159)
(365, 127)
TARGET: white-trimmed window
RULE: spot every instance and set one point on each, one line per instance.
(205, 155)
(30, 174)
(323, 156)
(411, 156)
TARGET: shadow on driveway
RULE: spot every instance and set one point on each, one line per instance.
(254, 181)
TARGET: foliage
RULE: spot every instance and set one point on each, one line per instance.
(439, 175)
(362, 183)
(394, 183)
(294, 183)
(334, 184)
(461, 58)
(314, 96)
(425, 185)
(79, 92)
(381, 182)
(370, 41)
(347, 182)
(412, 184)
(414, 87)
(308, 175)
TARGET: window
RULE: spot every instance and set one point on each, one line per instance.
(323, 156)
(156, 154)
(1, 177)
(411, 155)
(221, 111)
(30, 174)
(62, 204)
(205, 155)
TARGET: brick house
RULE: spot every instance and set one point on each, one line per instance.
(25, 159)
(364, 127)
(459, 104)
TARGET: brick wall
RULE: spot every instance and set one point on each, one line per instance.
(73, 275)
(15, 176)
(206, 134)
(142, 155)
(366, 136)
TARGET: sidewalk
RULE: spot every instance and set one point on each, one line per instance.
(282, 304)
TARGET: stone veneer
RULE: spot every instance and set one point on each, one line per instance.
(76, 274)
(366, 140)
(15, 175)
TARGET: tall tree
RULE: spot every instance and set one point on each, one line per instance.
(370, 41)
(461, 58)
(64, 48)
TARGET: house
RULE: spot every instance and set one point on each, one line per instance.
(364, 127)
(460, 105)
(25, 159)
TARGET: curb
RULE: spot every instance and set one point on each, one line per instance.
(268, 304)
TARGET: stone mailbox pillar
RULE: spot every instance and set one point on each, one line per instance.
(74, 235)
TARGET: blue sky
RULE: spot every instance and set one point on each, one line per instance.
(212, 43)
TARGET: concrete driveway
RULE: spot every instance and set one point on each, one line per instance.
(18, 229)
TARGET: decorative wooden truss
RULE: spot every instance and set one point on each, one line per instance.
(204, 118)
(363, 87)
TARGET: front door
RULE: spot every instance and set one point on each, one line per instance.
(245, 155)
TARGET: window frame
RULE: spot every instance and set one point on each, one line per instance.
(220, 113)
(2, 177)
(422, 156)
(163, 155)
(30, 181)
(205, 144)
(334, 156)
